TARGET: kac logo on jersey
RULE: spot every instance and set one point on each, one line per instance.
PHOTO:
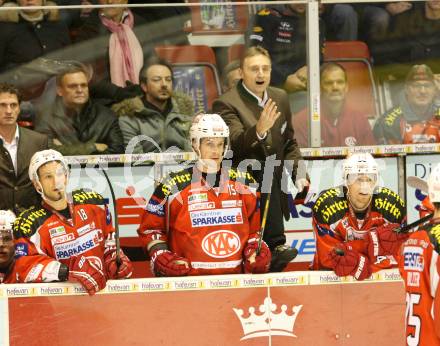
(413, 258)
(221, 244)
(216, 217)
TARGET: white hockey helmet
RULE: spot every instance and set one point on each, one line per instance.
(42, 157)
(39, 159)
(7, 219)
(434, 184)
(208, 125)
(360, 163)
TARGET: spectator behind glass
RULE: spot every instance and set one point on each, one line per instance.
(161, 114)
(29, 34)
(283, 34)
(231, 75)
(412, 37)
(341, 123)
(413, 119)
(76, 124)
(120, 51)
(17, 145)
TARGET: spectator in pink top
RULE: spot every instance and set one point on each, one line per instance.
(341, 123)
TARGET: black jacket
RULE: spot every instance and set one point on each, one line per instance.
(16, 190)
(78, 134)
(22, 41)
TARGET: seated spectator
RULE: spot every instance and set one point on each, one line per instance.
(120, 51)
(29, 34)
(231, 75)
(341, 123)
(410, 120)
(283, 35)
(161, 114)
(376, 19)
(412, 37)
(75, 124)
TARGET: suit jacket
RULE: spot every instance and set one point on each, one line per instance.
(241, 111)
(16, 190)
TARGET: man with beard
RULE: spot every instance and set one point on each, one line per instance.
(162, 115)
(70, 225)
(354, 224)
(341, 123)
(260, 125)
(414, 119)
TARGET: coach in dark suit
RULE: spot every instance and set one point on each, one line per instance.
(259, 120)
(17, 147)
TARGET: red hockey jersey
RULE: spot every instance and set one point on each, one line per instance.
(44, 231)
(334, 223)
(207, 225)
(419, 267)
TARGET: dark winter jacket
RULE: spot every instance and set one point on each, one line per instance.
(166, 129)
(78, 134)
(22, 41)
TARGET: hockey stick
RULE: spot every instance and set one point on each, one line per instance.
(117, 241)
(417, 183)
(404, 229)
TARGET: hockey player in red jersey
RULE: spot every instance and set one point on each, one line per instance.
(73, 228)
(205, 219)
(359, 219)
(419, 267)
(16, 267)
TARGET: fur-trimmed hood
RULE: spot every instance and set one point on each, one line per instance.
(182, 104)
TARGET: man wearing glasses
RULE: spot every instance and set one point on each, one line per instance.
(416, 118)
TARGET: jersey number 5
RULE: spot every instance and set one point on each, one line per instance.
(413, 320)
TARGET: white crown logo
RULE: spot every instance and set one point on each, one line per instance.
(269, 322)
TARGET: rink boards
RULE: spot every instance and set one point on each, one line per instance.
(305, 308)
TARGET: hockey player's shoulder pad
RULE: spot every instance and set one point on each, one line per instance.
(175, 182)
(241, 176)
(29, 221)
(389, 204)
(82, 196)
(433, 231)
(391, 116)
(330, 206)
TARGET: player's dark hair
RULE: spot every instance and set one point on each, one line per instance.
(436, 205)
